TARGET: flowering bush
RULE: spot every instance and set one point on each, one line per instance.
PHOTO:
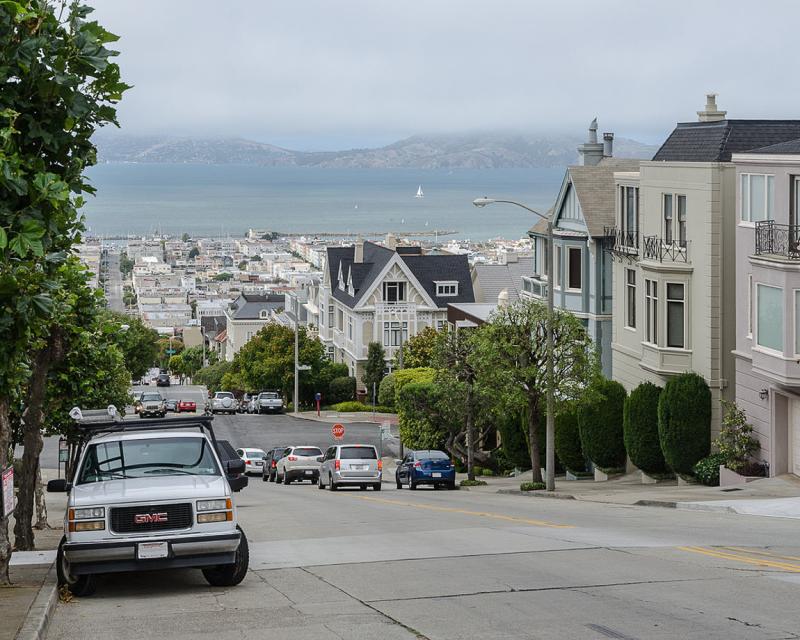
(735, 443)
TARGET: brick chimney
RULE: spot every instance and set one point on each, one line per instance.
(711, 112)
(358, 257)
(391, 241)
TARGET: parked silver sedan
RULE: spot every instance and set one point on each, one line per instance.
(351, 465)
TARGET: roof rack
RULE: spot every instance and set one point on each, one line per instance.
(94, 427)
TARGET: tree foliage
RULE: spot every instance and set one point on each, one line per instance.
(568, 440)
(212, 375)
(512, 354)
(600, 424)
(342, 389)
(374, 368)
(640, 428)
(386, 395)
(684, 422)
(418, 350)
(138, 343)
(419, 409)
(736, 442)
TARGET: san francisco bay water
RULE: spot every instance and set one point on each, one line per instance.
(212, 200)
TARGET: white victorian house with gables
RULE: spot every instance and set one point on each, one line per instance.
(376, 293)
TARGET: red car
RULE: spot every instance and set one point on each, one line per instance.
(185, 405)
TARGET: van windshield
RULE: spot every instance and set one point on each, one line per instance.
(147, 458)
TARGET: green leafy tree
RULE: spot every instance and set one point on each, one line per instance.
(640, 427)
(185, 237)
(125, 264)
(342, 389)
(684, 422)
(512, 355)
(600, 424)
(168, 347)
(212, 375)
(223, 277)
(193, 253)
(736, 442)
(138, 343)
(386, 396)
(418, 350)
(419, 406)
(373, 370)
(568, 440)
(64, 86)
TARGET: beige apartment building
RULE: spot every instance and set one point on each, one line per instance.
(674, 250)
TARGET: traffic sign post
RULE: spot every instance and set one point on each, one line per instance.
(337, 431)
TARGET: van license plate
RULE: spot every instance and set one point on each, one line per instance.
(309, 472)
(436, 475)
(152, 550)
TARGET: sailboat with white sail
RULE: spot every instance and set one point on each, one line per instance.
(419, 192)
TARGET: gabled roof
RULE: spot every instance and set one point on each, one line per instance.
(595, 189)
(716, 141)
(426, 268)
(491, 279)
(248, 306)
(791, 147)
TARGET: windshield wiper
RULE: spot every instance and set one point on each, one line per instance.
(169, 470)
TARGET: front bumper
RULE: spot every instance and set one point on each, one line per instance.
(152, 412)
(117, 556)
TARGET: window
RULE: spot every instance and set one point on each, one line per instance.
(757, 196)
(797, 321)
(394, 291)
(340, 320)
(676, 315)
(682, 221)
(350, 328)
(668, 218)
(575, 268)
(440, 324)
(749, 305)
(330, 316)
(391, 334)
(769, 317)
(629, 215)
(651, 311)
(557, 279)
(630, 298)
(447, 288)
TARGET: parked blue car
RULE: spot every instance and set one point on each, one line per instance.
(426, 467)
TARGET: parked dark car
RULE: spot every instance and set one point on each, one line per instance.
(270, 468)
(162, 380)
(426, 467)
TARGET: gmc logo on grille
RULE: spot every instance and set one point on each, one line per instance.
(147, 518)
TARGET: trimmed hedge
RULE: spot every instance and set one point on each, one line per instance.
(402, 377)
(386, 396)
(351, 406)
(640, 428)
(342, 389)
(600, 424)
(707, 470)
(514, 439)
(568, 441)
(684, 422)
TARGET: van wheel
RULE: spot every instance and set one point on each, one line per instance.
(331, 484)
(77, 585)
(229, 575)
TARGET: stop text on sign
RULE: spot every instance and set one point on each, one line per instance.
(337, 431)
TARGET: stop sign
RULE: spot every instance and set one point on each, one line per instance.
(337, 431)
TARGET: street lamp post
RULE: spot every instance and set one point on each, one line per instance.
(550, 456)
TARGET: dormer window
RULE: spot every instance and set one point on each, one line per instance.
(394, 291)
(448, 288)
(263, 314)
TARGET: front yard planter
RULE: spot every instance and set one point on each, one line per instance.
(728, 478)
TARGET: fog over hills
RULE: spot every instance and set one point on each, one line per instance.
(467, 151)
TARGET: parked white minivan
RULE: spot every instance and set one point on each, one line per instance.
(354, 465)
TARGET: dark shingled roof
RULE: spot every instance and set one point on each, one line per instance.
(716, 141)
(790, 147)
(426, 268)
(248, 306)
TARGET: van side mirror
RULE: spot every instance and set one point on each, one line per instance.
(234, 467)
(59, 485)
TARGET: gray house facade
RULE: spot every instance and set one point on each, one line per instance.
(583, 210)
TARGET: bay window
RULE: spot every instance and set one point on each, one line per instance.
(630, 298)
(575, 268)
(676, 315)
(769, 317)
(651, 311)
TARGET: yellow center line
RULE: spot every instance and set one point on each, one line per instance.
(761, 562)
(761, 553)
(481, 514)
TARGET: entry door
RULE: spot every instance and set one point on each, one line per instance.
(794, 438)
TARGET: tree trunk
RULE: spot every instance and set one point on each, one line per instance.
(533, 439)
(5, 447)
(41, 504)
(470, 437)
(33, 417)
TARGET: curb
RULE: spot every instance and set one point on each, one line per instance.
(656, 503)
(38, 619)
(700, 506)
(536, 494)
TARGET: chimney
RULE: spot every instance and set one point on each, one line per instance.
(358, 257)
(391, 241)
(711, 112)
(502, 299)
(608, 145)
(591, 152)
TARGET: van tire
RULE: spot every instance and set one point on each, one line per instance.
(78, 585)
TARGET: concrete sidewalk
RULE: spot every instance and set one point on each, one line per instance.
(355, 416)
(777, 497)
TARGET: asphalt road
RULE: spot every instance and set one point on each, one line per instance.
(114, 288)
(449, 565)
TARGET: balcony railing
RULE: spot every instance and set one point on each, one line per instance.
(620, 242)
(656, 248)
(534, 286)
(778, 239)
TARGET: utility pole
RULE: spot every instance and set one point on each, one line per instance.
(296, 400)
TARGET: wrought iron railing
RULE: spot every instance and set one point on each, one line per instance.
(656, 248)
(778, 239)
(621, 243)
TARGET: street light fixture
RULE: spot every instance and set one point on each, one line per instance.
(550, 456)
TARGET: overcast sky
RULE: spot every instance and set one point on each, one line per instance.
(328, 74)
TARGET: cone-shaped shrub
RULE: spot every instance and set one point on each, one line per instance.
(640, 428)
(600, 424)
(568, 441)
(684, 422)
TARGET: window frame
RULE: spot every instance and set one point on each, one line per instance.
(629, 195)
(557, 267)
(391, 332)
(400, 291)
(630, 299)
(746, 178)
(796, 336)
(667, 223)
(568, 270)
(651, 311)
(750, 306)
(443, 288)
(684, 316)
(756, 344)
